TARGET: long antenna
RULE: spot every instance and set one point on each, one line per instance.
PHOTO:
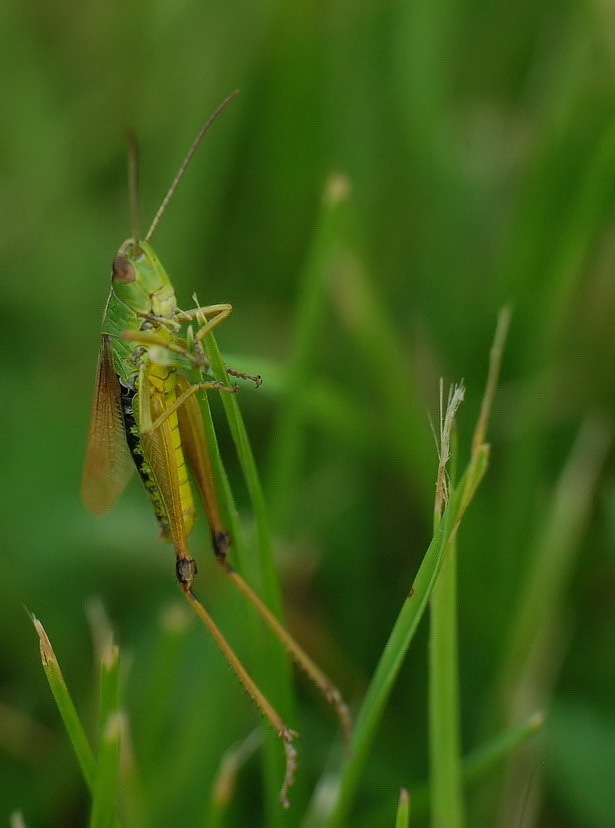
(133, 184)
(186, 161)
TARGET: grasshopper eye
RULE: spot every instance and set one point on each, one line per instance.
(122, 271)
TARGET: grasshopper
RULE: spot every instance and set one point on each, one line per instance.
(145, 414)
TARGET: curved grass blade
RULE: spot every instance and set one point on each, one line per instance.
(68, 712)
(445, 532)
(401, 636)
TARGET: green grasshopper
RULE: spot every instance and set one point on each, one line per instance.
(145, 414)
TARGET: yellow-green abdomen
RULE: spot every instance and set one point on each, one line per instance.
(162, 380)
(159, 457)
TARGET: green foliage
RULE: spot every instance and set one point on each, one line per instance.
(478, 147)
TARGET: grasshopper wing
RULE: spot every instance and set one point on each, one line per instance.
(108, 463)
(194, 443)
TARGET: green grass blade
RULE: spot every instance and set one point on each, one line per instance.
(446, 775)
(273, 675)
(171, 635)
(107, 774)
(68, 712)
(402, 819)
(265, 565)
(530, 664)
(403, 810)
(226, 778)
(444, 736)
(480, 761)
(443, 686)
(133, 802)
(559, 281)
(477, 764)
(109, 688)
(552, 560)
(445, 532)
(401, 636)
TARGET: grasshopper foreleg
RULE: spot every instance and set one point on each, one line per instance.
(203, 311)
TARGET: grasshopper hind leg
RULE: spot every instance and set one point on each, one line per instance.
(194, 442)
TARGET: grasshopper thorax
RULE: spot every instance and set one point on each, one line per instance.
(140, 281)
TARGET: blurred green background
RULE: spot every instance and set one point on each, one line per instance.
(479, 142)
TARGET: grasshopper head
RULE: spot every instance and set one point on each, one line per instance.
(140, 281)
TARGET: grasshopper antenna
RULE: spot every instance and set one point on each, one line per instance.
(186, 161)
(133, 184)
